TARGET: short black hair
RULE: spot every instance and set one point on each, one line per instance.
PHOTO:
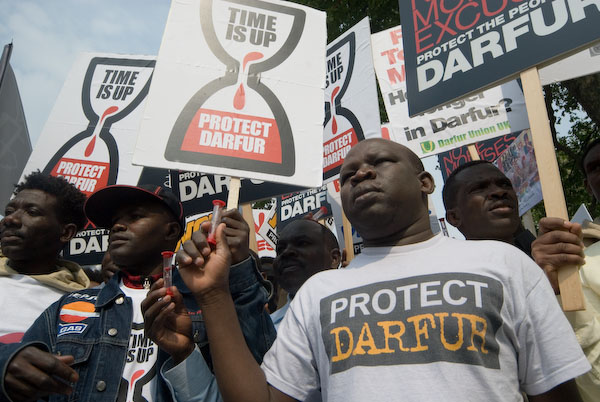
(331, 242)
(450, 187)
(586, 151)
(69, 199)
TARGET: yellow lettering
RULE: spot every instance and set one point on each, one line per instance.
(366, 339)
(474, 331)
(450, 346)
(339, 344)
(421, 330)
(386, 325)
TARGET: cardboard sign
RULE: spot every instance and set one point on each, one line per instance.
(299, 204)
(488, 150)
(91, 132)
(335, 199)
(583, 63)
(265, 225)
(518, 163)
(351, 106)
(484, 115)
(238, 92)
(198, 190)
(455, 48)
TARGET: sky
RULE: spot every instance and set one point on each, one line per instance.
(48, 35)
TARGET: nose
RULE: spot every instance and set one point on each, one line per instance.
(365, 172)
(118, 226)
(497, 191)
(13, 219)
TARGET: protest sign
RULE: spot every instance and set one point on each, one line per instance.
(517, 162)
(335, 199)
(351, 106)
(582, 63)
(486, 114)
(238, 91)
(198, 190)
(299, 204)
(91, 132)
(266, 229)
(452, 49)
(488, 150)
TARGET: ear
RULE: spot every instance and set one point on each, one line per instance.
(173, 230)
(453, 217)
(336, 258)
(427, 182)
(68, 232)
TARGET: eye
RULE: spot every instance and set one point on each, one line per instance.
(8, 211)
(34, 212)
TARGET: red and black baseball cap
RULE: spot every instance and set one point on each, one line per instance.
(102, 205)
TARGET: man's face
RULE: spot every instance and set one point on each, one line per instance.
(301, 253)
(31, 228)
(591, 165)
(382, 192)
(138, 235)
(486, 204)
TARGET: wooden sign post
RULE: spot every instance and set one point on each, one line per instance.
(348, 243)
(554, 199)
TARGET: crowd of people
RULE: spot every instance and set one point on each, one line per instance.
(414, 317)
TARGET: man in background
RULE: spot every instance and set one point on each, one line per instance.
(44, 215)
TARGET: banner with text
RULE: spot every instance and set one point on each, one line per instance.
(458, 47)
(299, 204)
(238, 91)
(91, 132)
(486, 114)
(351, 105)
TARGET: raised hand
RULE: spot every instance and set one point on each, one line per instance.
(166, 321)
(205, 271)
(33, 374)
(559, 244)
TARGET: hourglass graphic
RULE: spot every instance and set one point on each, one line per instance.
(237, 115)
(339, 121)
(111, 89)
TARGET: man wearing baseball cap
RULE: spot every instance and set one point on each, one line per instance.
(91, 345)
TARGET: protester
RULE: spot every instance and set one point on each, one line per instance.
(414, 316)
(45, 213)
(304, 248)
(481, 203)
(561, 243)
(100, 331)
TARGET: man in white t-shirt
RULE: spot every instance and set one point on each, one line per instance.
(415, 317)
(45, 213)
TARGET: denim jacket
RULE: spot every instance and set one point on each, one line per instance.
(100, 342)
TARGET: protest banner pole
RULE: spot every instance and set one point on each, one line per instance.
(473, 152)
(348, 243)
(234, 192)
(249, 218)
(554, 199)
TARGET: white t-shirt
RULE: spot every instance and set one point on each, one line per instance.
(441, 320)
(139, 374)
(22, 300)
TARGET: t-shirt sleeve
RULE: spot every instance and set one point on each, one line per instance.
(290, 364)
(548, 350)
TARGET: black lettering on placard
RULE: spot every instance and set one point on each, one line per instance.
(117, 84)
(251, 26)
(335, 69)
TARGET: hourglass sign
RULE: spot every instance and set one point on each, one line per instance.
(112, 88)
(236, 121)
(342, 130)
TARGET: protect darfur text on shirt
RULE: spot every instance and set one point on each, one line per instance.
(450, 317)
